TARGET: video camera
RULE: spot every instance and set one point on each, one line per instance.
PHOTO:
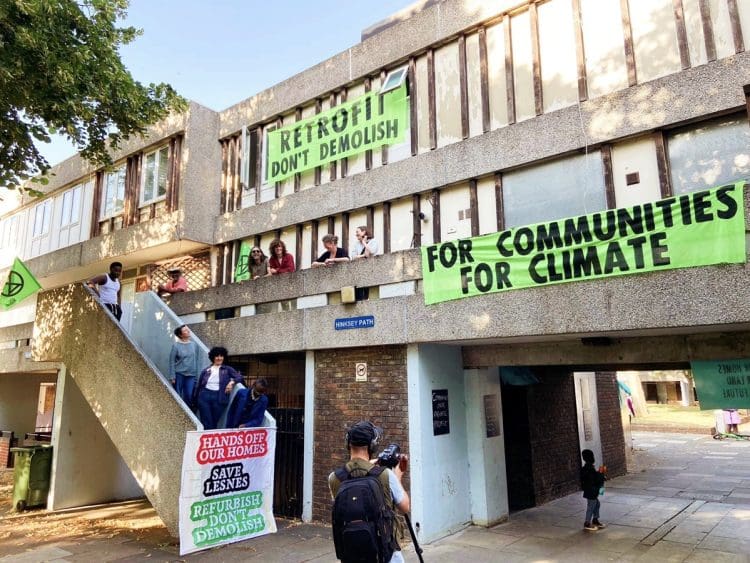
(391, 456)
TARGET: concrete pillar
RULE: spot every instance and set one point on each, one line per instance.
(486, 447)
(661, 393)
(86, 466)
(309, 440)
(686, 392)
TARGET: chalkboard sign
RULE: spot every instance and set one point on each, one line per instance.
(440, 419)
(491, 415)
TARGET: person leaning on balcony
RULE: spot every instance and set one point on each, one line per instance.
(176, 284)
(214, 386)
(333, 253)
(366, 246)
(281, 262)
(184, 364)
(258, 264)
(107, 286)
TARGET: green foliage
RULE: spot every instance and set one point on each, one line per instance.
(60, 71)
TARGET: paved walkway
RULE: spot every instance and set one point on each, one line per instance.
(688, 500)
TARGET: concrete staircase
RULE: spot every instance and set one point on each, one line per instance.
(135, 404)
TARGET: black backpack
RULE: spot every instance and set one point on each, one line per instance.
(362, 521)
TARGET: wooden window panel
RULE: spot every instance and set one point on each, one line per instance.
(583, 91)
(627, 31)
(224, 175)
(314, 241)
(536, 58)
(662, 163)
(237, 184)
(386, 227)
(98, 188)
(464, 85)
(343, 162)
(708, 30)
(499, 205)
(413, 115)
(277, 185)
(437, 235)
(734, 16)
(431, 104)
(416, 240)
(609, 178)
(368, 152)
(474, 205)
(510, 87)
(298, 249)
(298, 175)
(484, 79)
(682, 39)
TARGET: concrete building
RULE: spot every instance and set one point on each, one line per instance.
(519, 112)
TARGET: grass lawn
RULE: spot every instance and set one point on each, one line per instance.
(675, 415)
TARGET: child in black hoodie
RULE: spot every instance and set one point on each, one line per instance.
(591, 482)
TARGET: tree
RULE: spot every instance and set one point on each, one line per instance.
(60, 71)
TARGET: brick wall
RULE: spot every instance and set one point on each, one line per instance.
(610, 423)
(554, 435)
(5, 445)
(341, 401)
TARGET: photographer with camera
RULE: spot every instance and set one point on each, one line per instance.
(365, 498)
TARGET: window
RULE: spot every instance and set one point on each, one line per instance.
(155, 175)
(712, 154)
(566, 187)
(394, 79)
(42, 218)
(113, 199)
(71, 207)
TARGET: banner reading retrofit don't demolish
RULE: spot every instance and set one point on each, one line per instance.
(370, 121)
(696, 229)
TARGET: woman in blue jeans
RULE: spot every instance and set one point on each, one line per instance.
(184, 364)
(214, 388)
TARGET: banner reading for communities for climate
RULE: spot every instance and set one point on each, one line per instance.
(227, 487)
(722, 384)
(370, 121)
(695, 229)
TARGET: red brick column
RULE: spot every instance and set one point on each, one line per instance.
(610, 423)
(341, 401)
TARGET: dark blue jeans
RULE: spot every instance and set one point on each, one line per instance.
(592, 509)
(185, 385)
(209, 408)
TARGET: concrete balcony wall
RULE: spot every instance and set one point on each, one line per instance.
(686, 301)
(17, 359)
(134, 405)
(678, 98)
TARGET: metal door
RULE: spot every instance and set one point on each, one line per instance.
(287, 493)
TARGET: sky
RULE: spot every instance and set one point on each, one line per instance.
(220, 52)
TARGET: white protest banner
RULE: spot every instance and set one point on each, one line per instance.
(227, 487)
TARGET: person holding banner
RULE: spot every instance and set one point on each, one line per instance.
(281, 262)
(107, 287)
(333, 253)
(214, 386)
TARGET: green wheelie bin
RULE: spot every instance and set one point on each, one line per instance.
(31, 476)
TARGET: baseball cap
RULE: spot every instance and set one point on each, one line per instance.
(363, 433)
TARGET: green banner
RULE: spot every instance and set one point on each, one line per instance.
(722, 384)
(695, 229)
(21, 284)
(370, 121)
(242, 271)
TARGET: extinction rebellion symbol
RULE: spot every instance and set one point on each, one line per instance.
(243, 266)
(14, 285)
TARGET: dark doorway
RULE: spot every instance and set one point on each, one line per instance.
(285, 374)
(517, 447)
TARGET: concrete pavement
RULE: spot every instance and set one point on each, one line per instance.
(687, 500)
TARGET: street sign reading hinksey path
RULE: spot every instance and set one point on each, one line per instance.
(695, 229)
(370, 121)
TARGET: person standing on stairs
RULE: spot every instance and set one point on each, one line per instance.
(107, 286)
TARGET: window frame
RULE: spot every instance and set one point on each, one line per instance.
(46, 219)
(155, 183)
(103, 215)
(75, 205)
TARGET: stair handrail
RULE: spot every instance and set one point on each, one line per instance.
(151, 363)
